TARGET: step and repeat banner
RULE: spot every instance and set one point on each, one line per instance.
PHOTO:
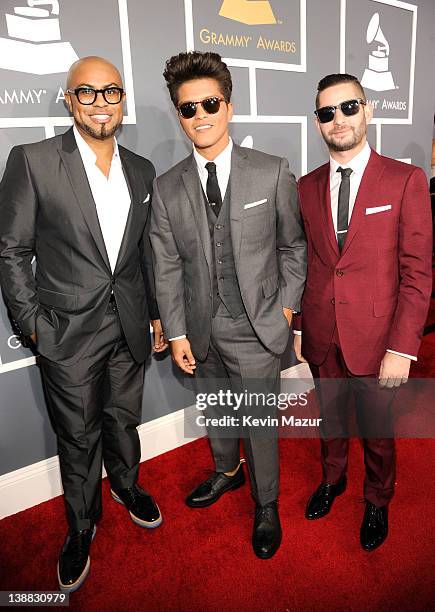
(277, 51)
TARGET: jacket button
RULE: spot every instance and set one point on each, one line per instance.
(339, 272)
(218, 244)
(220, 261)
(219, 226)
(333, 301)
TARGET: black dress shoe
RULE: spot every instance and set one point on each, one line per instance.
(267, 534)
(321, 501)
(142, 508)
(74, 561)
(374, 527)
(209, 491)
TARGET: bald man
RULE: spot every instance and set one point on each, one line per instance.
(80, 203)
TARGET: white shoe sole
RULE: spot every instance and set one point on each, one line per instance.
(70, 588)
(136, 519)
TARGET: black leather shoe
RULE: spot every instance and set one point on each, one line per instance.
(142, 508)
(267, 534)
(74, 561)
(321, 501)
(209, 491)
(374, 527)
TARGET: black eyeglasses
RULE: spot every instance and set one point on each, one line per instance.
(210, 105)
(348, 108)
(88, 95)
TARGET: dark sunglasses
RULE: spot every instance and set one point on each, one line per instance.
(210, 105)
(348, 108)
(88, 95)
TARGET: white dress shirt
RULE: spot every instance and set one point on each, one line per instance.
(358, 165)
(223, 168)
(223, 171)
(111, 196)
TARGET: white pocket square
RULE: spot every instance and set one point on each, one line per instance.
(377, 209)
(252, 204)
(147, 199)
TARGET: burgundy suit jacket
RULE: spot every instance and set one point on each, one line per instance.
(378, 289)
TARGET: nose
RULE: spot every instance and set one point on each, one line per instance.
(339, 117)
(99, 100)
(200, 112)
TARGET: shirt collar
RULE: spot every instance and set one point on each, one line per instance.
(357, 163)
(222, 159)
(85, 150)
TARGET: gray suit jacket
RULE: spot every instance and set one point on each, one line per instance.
(47, 210)
(268, 244)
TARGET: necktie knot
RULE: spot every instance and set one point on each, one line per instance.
(211, 167)
(345, 172)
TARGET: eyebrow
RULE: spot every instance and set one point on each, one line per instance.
(202, 99)
(113, 84)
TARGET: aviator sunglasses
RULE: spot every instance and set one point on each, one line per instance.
(211, 106)
(348, 108)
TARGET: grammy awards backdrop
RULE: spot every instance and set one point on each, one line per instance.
(277, 51)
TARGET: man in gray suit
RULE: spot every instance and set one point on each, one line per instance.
(80, 203)
(229, 255)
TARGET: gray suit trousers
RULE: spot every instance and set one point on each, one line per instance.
(237, 356)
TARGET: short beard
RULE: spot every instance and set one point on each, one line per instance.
(103, 134)
(356, 139)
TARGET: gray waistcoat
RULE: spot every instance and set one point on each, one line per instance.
(225, 284)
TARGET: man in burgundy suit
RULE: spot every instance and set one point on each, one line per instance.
(368, 225)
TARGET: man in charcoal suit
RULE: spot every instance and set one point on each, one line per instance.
(79, 203)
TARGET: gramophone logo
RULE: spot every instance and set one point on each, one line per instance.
(377, 76)
(250, 12)
(34, 39)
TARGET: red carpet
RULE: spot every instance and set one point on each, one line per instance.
(201, 560)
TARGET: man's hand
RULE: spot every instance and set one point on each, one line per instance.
(182, 355)
(297, 346)
(288, 313)
(33, 337)
(160, 342)
(394, 370)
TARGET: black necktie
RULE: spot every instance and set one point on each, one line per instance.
(343, 206)
(213, 192)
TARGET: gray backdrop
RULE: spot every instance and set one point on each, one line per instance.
(277, 53)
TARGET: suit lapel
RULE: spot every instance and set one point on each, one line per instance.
(238, 190)
(324, 197)
(132, 184)
(372, 176)
(192, 185)
(79, 182)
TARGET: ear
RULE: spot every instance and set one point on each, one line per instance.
(230, 110)
(368, 112)
(317, 124)
(68, 101)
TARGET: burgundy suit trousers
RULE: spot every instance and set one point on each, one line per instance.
(373, 418)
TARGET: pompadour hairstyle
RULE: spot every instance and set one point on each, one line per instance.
(191, 65)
